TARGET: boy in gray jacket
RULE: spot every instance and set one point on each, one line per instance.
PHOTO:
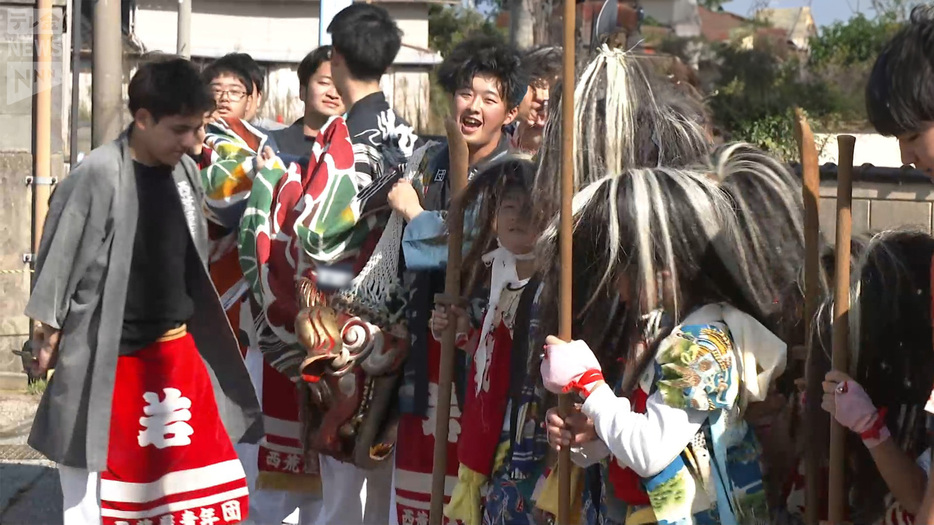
(126, 312)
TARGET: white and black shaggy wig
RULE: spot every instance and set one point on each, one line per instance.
(626, 116)
(636, 231)
(512, 176)
(890, 349)
(766, 197)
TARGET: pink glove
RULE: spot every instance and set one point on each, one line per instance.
(855, 411)
(570, 366)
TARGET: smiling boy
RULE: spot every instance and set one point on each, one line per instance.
(485, 80)
(321, 99)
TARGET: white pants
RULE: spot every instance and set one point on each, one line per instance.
(82, 501)
(81, 491)
(354, 495)
(272, 507)
(393, 514)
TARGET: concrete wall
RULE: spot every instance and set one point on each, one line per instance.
(270, 30)
(871, 148)
(878, 206)
(278, 34)
(17, 77)
(680, 15)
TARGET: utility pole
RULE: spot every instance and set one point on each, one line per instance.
(42, 174)
(521, 33)
(76, 44)
(107, 73)
(183, 46)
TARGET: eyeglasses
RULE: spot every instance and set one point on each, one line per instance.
(235, 95)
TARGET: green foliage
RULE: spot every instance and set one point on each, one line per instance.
(756, 90)
(713, 5)
(448, 26)
(756, 93)
(37, 387)
(855, 41)
(774, 133)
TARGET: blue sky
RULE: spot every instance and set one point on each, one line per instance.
(825, 11)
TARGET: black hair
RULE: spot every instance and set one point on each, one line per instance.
(900, 91)
(256, 71)
(367, 38)
(543, 63)
(485, 55)
(510, 176)
(232, 65)
(311, 63)
(169, 86)
(890, 341)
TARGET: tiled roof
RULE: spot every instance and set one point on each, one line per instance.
(870, 173)
(718, 26)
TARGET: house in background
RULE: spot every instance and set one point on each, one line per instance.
(796, 22)
(724, 26)
(278, 34)
(680, 15)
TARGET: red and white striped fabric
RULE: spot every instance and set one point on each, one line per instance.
(170, 461)
(281, 450)
(415, 453)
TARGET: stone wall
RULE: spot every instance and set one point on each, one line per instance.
(880, 206)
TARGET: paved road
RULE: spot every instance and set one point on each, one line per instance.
(30, 493)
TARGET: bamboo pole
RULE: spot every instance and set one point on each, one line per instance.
(811, 193)
(565, 237)
(457, 175)
(841, 311)
(42, 176)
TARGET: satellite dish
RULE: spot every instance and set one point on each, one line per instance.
(605, 23)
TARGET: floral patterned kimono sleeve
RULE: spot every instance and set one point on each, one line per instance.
(693, 377)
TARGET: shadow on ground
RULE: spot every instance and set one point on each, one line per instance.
(30, 494)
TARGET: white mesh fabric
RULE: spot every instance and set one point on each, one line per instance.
(371, 289)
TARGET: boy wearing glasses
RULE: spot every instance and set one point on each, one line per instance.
(279, 479)
(232, 87)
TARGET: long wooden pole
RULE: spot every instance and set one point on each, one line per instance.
(452, 291)
(841, 314)
(565, 236)
(811, 192)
